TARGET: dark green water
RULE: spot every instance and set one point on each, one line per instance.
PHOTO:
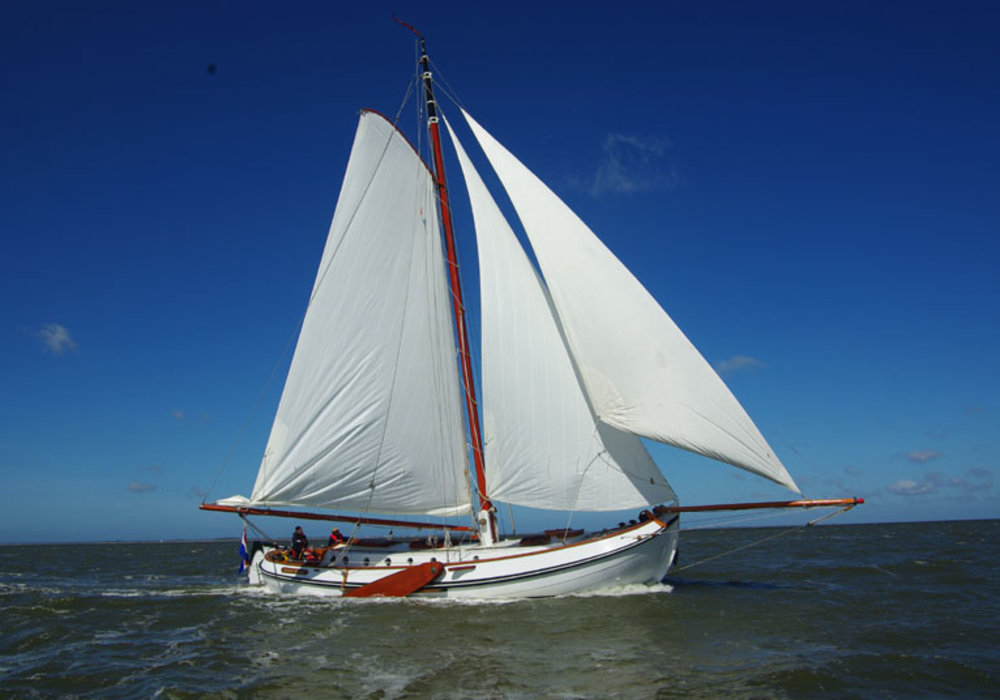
(903, 610)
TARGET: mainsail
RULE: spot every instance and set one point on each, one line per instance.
(370, 417)
(640, 372)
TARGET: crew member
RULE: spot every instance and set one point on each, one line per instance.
(335, 537)
(299, 542)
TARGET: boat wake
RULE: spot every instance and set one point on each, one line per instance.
(625, 590)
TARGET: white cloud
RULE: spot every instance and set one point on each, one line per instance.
(57, 338)
(921, 456)
(178, 415)
(140, 487)
(973, 481)
(906, 487)
(737, 363)
(632, 164)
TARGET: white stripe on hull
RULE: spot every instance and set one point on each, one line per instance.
(639, 554)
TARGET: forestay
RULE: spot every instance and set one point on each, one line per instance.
(641, 374)
(370, 417)
(544, 446)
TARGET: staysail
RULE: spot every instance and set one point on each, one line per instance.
(370, 417)
(544, 446)
(640, 372)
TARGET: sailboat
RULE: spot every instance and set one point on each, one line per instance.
(579, 363)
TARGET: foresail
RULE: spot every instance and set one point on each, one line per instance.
(370, 418)
(544, 446)
(641, 374)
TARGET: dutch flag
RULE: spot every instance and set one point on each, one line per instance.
(244, 555)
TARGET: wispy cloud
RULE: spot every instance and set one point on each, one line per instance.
(737, 363)
(178, 415)
(907, 487)
(921, 456)
(631, 164)
(152, 471)
(57, 338)
(973, 481)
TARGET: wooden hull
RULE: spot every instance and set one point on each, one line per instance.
(640, 553)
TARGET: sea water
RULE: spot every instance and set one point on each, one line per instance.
(896, 610)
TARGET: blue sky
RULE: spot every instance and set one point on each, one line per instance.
(810, 190)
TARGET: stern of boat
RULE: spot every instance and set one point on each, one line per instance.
(257, 555)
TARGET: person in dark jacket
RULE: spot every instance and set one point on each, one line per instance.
(299, 542)
(335, 537)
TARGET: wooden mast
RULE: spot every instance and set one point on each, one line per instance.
(458, 305)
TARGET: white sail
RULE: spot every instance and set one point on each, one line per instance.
(544, 446)
(370, 418)
(642, 375)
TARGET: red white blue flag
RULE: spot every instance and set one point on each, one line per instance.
(244, 552)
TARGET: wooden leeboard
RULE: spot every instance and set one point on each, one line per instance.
(402, 583)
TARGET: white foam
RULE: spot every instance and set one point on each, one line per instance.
(624, 590)
(118, 593)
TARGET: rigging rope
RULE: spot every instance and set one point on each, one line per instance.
(471, 339)
(395, 374)
(256, 529)
(411, 90)
(355, 531)
(422, 117)
(755, 543)
(253, 411)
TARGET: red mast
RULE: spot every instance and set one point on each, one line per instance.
(458, 306)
